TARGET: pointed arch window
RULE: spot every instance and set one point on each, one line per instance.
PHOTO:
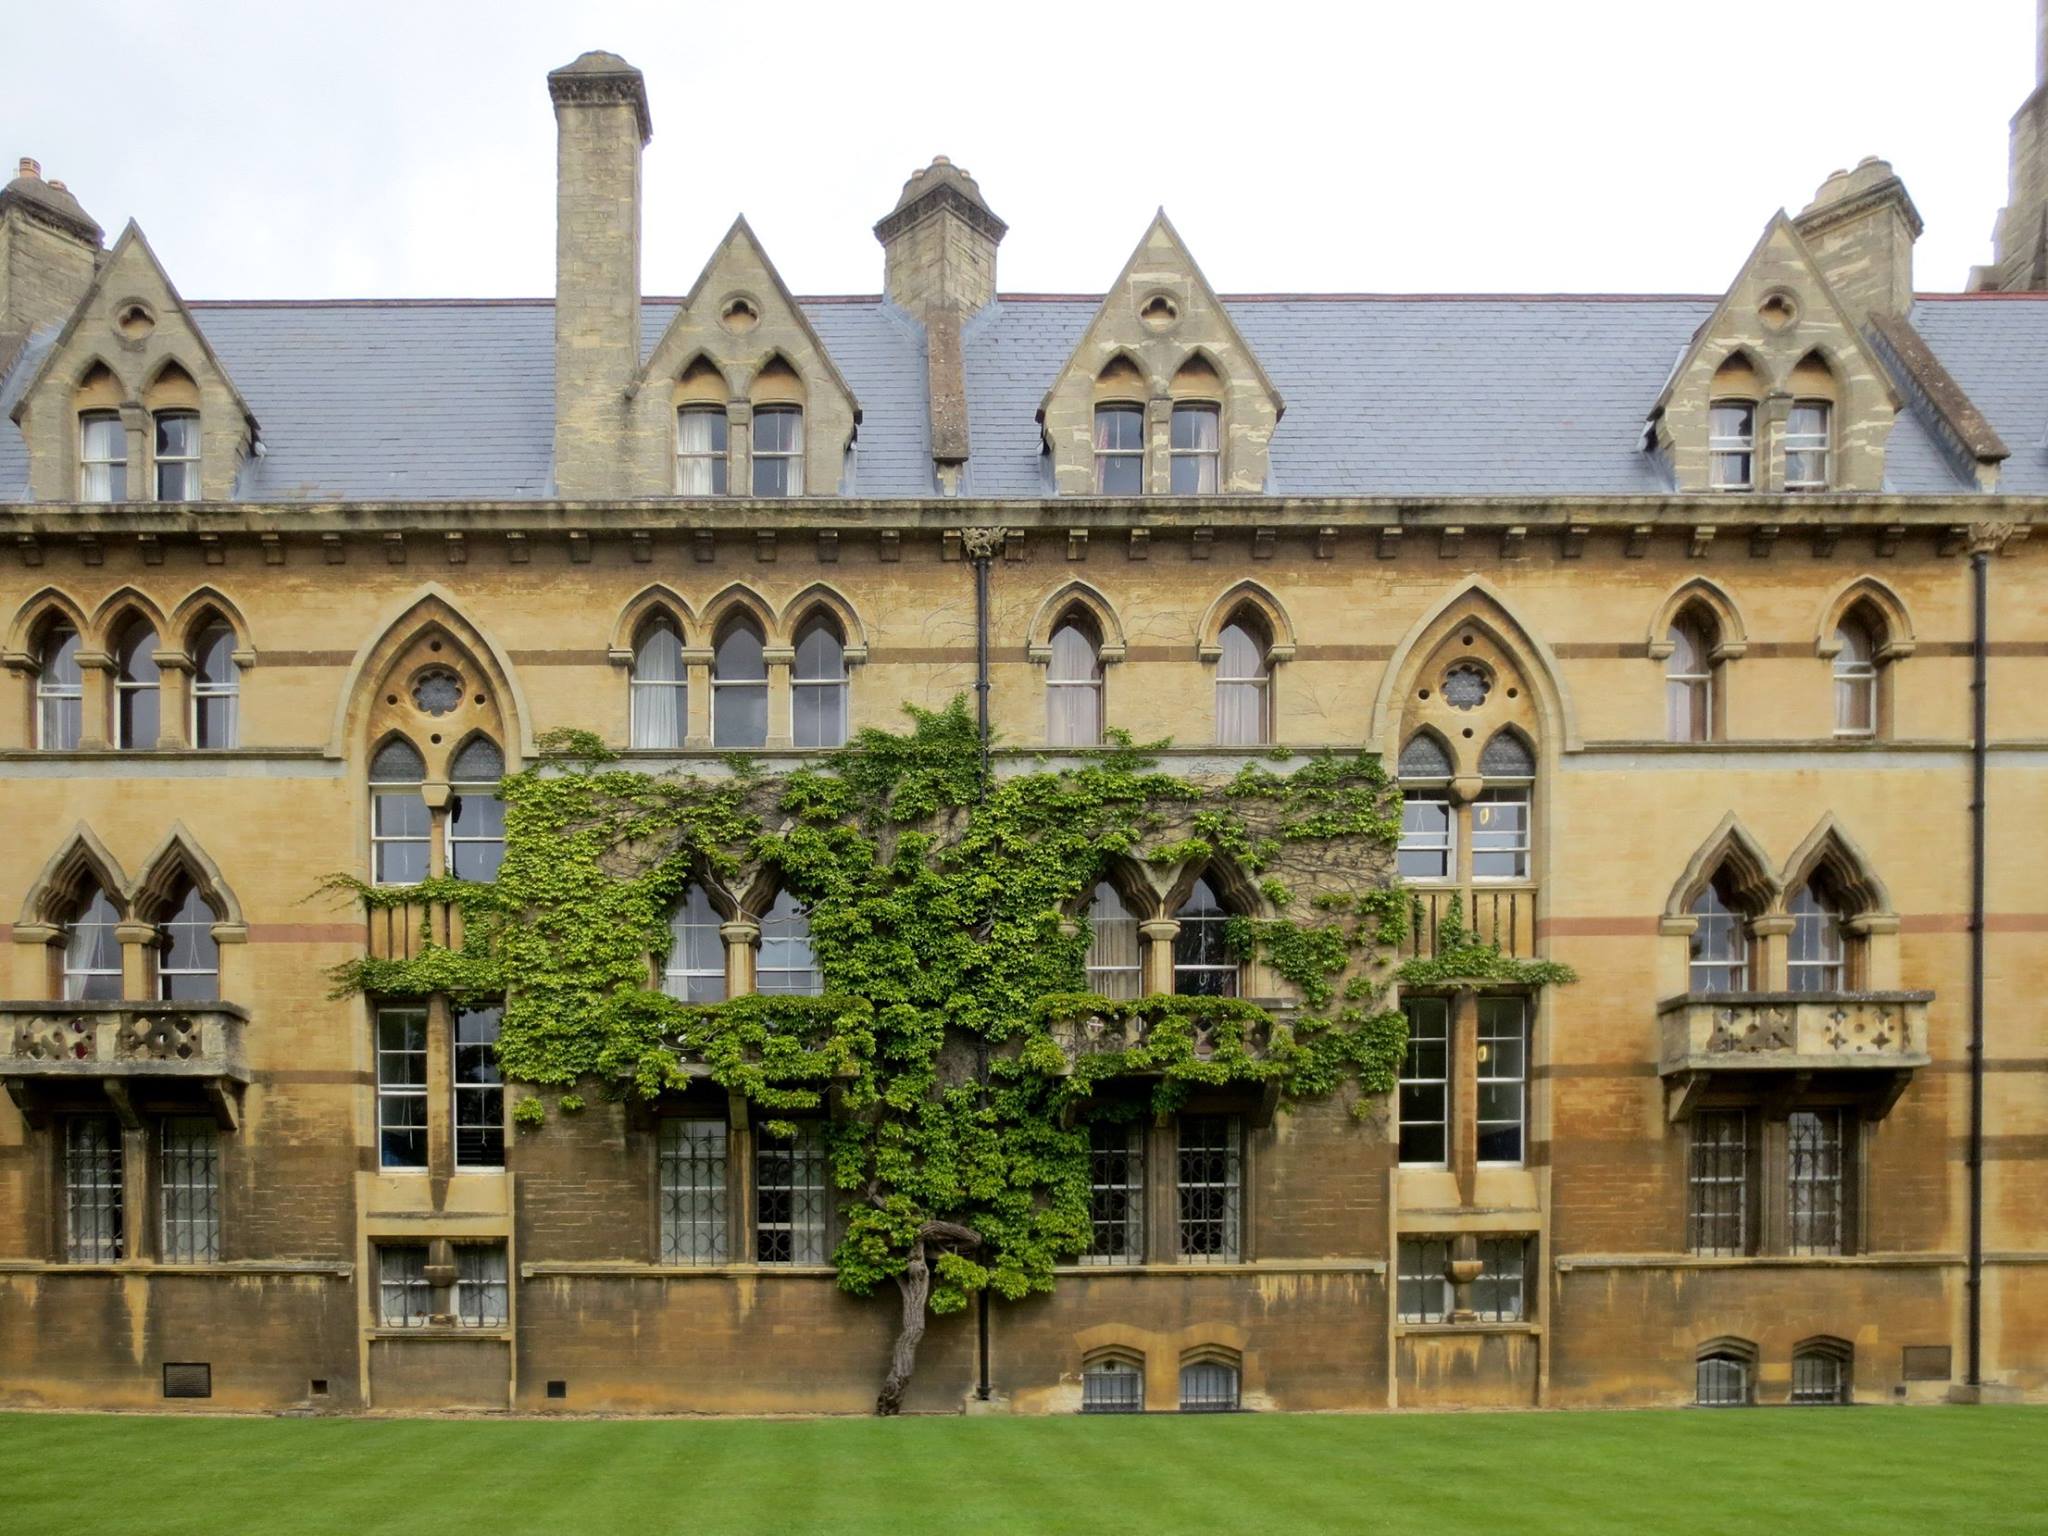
(779, 450)
(1073, 684)
(1500, 815)
(1428, 828)
(1197, 449)
(659, 686)
(818, 684)
(1689, 681)
(695, 972)
(1816, 958)
(1203, 965)
(188, 957)
(1114, 968)
(177, 455)
(60, 691)
(476, 816)
(739, 686)
(1244, 675)
(92, 949)
(1856, 679)
(1719, 953)
(216, 687)
(787, 964)
(401, 825)
(138, 688)
(102, 457)
(701, 440)
(1119, 450)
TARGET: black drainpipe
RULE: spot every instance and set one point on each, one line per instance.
(982, 550)
(1980, 581)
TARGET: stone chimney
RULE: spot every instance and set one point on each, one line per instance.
(1861, 226)
(939, 264)
(602, 125)
(49, 250)
(2019, 239)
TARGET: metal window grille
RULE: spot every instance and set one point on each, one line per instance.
(404, 1298)
(1500, 833)
(1422, 1290)
(1208, 1386)
(779, 450)
(701, 437)
(1719, 946)
(216, 689)
(92, 1191)
(188, 1193)
(695, 971)
(1814, 1165)
(479, 1090)
(1815, 958)
(481, 1286)
(102, 457)
(789, 1196)
(1210, 1187)
(1196, 450)
(177, 455)
(1116, 1181)
(1112, 1386)
(787, 964)
(1717, 1213)
(1119, 450)
(1503, 1072)
(1731, 445)
(1114, 968)
(1808, 439)
(60, 692)
(1203, 965)
(1818, 1377)
(693, 1191)
(1500, 1294)
(818, 687)
(402, 1087)
(1721, 1381)
(1426, 1082)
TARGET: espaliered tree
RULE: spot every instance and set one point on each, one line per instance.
(944, 914)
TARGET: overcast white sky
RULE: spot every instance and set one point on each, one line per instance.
(375, 149)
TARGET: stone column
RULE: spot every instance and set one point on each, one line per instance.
(437, 793)
(1155, 966)
(96, 706)
(742, 948)
(36, 968)
(236, 980)
(1767, 963)
(135, 425)
(1162, 1191)
(174, 699)
(739, 448)
(1674, 953)
(1876, 968)
(1159, 446)
(781, 661)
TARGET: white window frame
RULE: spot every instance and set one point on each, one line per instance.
(1738, 959)
(488, 1095)
(125, 686)
(1517, 843)
(1821, 926)
(1104, 456)
(1421, 840)
(677, 973)
(1441, 1006)
(1689, 685)
(716, 462)
(78, 977)
(792, 457)
(1487, 1072)
(51, 694)
(98, 476)
(1815, 445)
(164, 972)
(1722, 449)
(205, 688)
(188, 462)
(1129, 980)
(1854, 677)
(1057, 733)
(1208, 461)
(1262, 681)
(811, 977)
(394, 1091)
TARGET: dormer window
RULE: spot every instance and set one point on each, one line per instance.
(779, 450)
(1807, 441)
(1197, 450)
(177, 455)
(1119, 450)
(102, 457)
(1731, 445)
(700, 450)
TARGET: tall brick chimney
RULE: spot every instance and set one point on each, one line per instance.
(602, 125)
(49, 250)
(1861, 226)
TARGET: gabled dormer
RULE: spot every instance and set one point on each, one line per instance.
(740, 397)
(131, 403)
(1778, 389)
(1163, 396)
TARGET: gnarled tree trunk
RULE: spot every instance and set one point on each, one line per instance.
(916, 1285)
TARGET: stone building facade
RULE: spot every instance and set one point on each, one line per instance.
(1706, 632)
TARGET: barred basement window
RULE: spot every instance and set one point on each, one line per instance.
(693, 1182)
(1208, 1386)
(1116, 1178)
(789, 1196)
(188, 1190)
(404, 1298)
(479, 1090)
(1425, 1102)
(92, 1191)
(402, 1087)
(1819, 1376)
(1422, 1290)
(1717, 1214)
(1112, 1386)
(1424, 1293)
(1210, 1188)
(1813, 1213)
(1721, 1381)
(481, 1286)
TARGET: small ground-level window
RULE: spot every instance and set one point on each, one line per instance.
(1208, 1386)
(481, 1288)
(404, 1296)
(1819, 1376)
(1721, 1381)
(1112, 1386)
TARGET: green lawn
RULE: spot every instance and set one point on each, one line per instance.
(1785, 1472)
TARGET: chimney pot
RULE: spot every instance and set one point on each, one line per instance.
(31, 169)
(58, 186)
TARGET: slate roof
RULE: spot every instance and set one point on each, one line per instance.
(1386, 395)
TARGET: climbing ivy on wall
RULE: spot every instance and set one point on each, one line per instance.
(946, 915)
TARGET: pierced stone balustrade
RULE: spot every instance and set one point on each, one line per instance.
(1859, 1040)
(1501, 916)
(53, 1048)
(1086, 1035)
(400, 932)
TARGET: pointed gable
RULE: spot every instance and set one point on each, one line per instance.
(1160, 336)
(740, 339)
(132, 346)
(1780, 335)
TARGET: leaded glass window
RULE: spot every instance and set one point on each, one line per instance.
(1813, 1209)
(789, 1195)
(1425, 1083)
(787, 964)
(188, 956)
(695, 971)
(1112, 1386)
(739, 687)
(1717, 1209)
(660, 691)
(93, 1190)
(1210, 1187)
(188, 1189)
(1114, 966)
(1116, 1180)
(402, 1087)
(479, 1090)
(818, 685)
(60, 692)
(693, 1191)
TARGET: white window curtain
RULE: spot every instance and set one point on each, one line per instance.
(1073, 687)
(700, 450)
(1113, 955)
(60, 692)
(695, 972)
(1242, 675)
(216, 688)
(659, 686)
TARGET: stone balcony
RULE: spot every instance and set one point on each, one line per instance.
(1873, 1041)
(1500, 915)
(400, 932)
(1083, 1035)
(121, 1047)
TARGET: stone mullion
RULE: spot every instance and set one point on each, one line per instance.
(1162, 1182)
(739, 448)
(742, 951)
(174, 700)
(96, 706)
(1157, 935)
(138, 941)
(781, 660)
(440, 1088)
(1158, 446)
(697, 695)
(1464, 1146)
